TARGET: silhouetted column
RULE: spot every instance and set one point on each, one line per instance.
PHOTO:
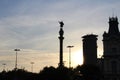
(61, 32)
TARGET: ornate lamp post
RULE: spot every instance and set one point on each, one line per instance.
(70, 55)
(16, 50)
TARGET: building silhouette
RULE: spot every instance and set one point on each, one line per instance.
(109, 63)
(111, 48)
(90, 49)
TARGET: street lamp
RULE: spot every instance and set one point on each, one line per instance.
(70, 55)
(4, 66)
(32, 66)
(16, 58)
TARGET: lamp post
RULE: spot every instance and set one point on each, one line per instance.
(4, 66)
(70, 55)
(32, 66)
(16, 58)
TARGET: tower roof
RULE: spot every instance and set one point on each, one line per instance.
(90, 36)
(113, 25)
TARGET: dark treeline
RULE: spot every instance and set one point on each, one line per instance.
(84, 72)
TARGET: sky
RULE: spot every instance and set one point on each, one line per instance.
(32, 26)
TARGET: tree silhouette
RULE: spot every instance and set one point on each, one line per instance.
(83, 72)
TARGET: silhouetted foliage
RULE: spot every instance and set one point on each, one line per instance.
(83, 72)
(18, 74)
(48, 73)
(51, 73)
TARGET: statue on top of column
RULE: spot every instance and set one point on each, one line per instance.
(61, 23)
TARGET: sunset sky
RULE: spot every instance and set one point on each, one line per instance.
(32, 26)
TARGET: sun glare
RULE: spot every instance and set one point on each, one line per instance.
(77, 58)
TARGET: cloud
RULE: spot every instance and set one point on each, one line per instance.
(33, 26)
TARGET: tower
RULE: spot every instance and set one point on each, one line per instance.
(61, 32)
(111, 48)
(90, 49)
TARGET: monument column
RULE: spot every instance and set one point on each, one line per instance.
(61, 32)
